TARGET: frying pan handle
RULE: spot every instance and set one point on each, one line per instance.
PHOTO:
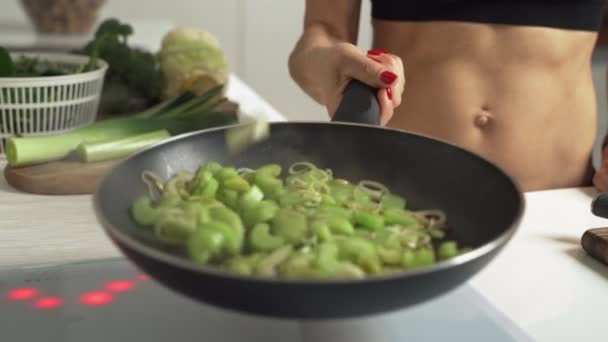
(599, 206)
(359, 105)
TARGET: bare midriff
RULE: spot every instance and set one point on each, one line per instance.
(521, 97)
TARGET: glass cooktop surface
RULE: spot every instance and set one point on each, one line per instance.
(111, 300)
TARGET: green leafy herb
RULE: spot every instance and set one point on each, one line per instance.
(7, 68)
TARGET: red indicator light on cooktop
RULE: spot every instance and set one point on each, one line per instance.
(49, 302)
(120, 285)
(23, 293)
(96, 298)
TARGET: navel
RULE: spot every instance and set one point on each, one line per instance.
(482, 117)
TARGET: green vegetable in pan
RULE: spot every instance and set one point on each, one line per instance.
(306, 224)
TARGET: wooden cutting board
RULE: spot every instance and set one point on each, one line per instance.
(66, 177)
(595, 243)
(58, 178)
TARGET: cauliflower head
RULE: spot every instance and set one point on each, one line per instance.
(191, 59)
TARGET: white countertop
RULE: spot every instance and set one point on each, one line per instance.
(543, 280)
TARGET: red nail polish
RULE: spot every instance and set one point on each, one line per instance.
(389, 93)
(376, 52)
(388, 77)
(374, 59)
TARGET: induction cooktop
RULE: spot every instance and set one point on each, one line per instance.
(111, 300)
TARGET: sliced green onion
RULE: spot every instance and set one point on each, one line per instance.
(431, 218)
(300, 167)
(373, 188)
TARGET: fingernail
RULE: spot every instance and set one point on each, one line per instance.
(388, 77)
(376, 52)
(374, 59)
(389, 93)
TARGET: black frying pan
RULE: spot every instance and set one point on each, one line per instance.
(599, 205)
(482, 203)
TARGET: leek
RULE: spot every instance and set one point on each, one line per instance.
(22, 151)
(188, 107)
(166, 105)
(115, 149)
(184, 113)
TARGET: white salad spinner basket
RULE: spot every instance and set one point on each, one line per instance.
(49, 104)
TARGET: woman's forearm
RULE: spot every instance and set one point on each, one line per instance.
(305, 59)
(326, 23)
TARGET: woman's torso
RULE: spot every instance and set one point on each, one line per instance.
(521, 96)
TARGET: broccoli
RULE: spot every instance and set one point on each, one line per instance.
(131, 70)
(144, 74)
(115, 28)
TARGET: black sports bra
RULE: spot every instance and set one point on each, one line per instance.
(567, 14)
